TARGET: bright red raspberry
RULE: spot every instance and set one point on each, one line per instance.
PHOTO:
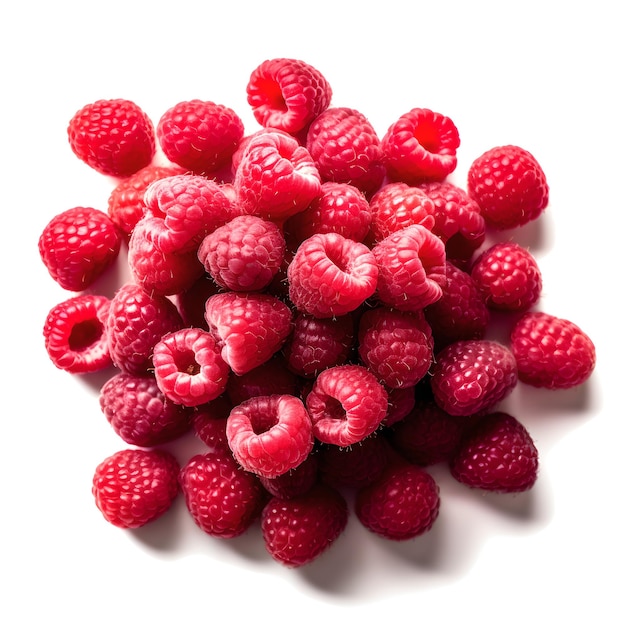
(296, 482)
(508, 277)
(296, 531)
(411, 268)
(287, 94)
(140, 413)
(552, 352)
(249, 327)
(134, 487)
(135, 323)
(473, 375)
(420, 147)
(78, 245)
(509, 186)
(270, 435)
(346, 404)
(330, 275)
(399, 505)
(396, 346)
(244, 254)
(346, 149)
(208, 422)
(222, 498)
(75, 335)
(114, 137)
(497, 453)
(200, 136)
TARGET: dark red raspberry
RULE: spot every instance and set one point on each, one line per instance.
(139, 412)
(190, 302)
(420, 147)
(114, 137)
(552, 352)
(208, 422)
(296, 482)
(134, 487)
(496, 454)
(78, 245)
(401, 403)
(509, 186)
(296, 531)
(75, 335)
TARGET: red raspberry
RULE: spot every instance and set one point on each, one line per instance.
(346, 404)
(401, 504)
(75, 334)
(471, 376)
(346, 149)
(78, 245)
(243, 144)
(190, 302)
(250, 328)
(508, 277)
(200, 136)
(135, 323)
(420, 147)
(223, 499)
(551, 352)
(243, 255)
(411, 268)
(509, 185)
(208, 422)
(139, 412)
(395, 345)
(330, 275)
(296, 482)
(270, 435)
(114, 137)
(496, 454)
(135, 487)
(298, 530)
(401, 403)
(287, 94)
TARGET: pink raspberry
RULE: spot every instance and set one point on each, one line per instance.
(75, 335)
(472, 376)
(287, 94)
(508, 277)
(78, 245)
(496, 454)
(244, 254)
(552, 352)
(296, 482)
(346, 404)
(249, 327)
(420, 147)
(296, 531)
(346, 149)
(208, 422)
(140, 413)
(411, 268)
(200, 136)
(330, 275)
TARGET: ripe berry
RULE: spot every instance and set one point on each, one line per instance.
(208, 422)
(296, 482)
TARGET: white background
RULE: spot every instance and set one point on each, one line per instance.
(548, 76)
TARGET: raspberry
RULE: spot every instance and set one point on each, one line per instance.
(496, 454)
(243, 255)
(287, 94)
(330, 275)
(508, 277)
(346, 149)
(298, 530)
(78, 245)
(551, 352)
(411, 268)
(114, 137)
(295, 482)
(250, 327)
(134, 487)
(401, 403)
(509, 186)
(200, 136)
(208, 422)
(190, 302)
(346, 404)
(420, 147)
(222, 498)
(139, 412)
(399, 505)
(75, 334)
(471, 376)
